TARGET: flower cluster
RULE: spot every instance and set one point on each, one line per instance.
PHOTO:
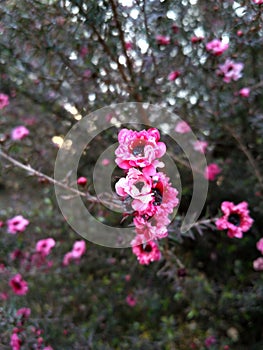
(151, 196)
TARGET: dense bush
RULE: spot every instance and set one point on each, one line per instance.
(62, 60)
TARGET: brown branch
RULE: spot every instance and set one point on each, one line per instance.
(122, 39)
(95, 200)
(247, 153)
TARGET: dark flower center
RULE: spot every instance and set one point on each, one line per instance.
(230, 68)
(158, 197)
(138, 150)
(147, 248)
(17, 285)
(234, 219)
(139, 185)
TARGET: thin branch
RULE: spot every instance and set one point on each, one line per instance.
(112, 202)
(247, 153)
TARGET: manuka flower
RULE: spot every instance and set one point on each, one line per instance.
(140, 149)
(236, 219)
(146, 252)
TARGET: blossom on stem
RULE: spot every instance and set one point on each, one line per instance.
(230, 70)
(17, 224)
(216, 47)
(235, 219)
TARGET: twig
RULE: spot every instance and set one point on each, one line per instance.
(247, 153)
(95, 200)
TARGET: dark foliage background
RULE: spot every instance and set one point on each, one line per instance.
(61, 60)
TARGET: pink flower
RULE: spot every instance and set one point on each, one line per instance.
(182, 127)
(17, 224)
(67, 258)
(173, 75)
(48, 348)
(18, 285)
(79, 249)
(83, 51)
(230, 70)
(175, 28)
(216, 47)
(87, 74)
(236, 219)
(4, 101)
(211, 171)
(260, 245)
(19, 133)
(137, 186)
(105, 162)
(15, 342)
(258, 2)
(140, 149)
(244, 92)
(44, 246)
(210, 341)
(240, 33)
(130, 300)
(3, 296)
(82, 181)
(24, 312)
(197, 39)
(145, 252)
(200, 146)
(258, 264)
(128, 45)
(162, 40)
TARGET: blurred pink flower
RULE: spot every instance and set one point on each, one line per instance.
(17, 224)
(131, 300)
(211, 171)
(79, 249)
(4, 101)
(216, 47)
(210, 341)
(240, 33)
(162, 40)
(3, 296)
(140, 149)
(173, 75)
(48, 348)
(67, 258)
(44, 246)
(146, 252)
(87, 74)
(244, 92)
(235, 219)
(182, 127)
(200, 146)
(128, 45)
(19, 133)
(105, 161)
(15, 342)
(260, 245)
(197, 39)
(258, 2)
(24, 312)
(83, 51)
(230, 70)
(82, 181)
(258, 264)
(18, 285)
